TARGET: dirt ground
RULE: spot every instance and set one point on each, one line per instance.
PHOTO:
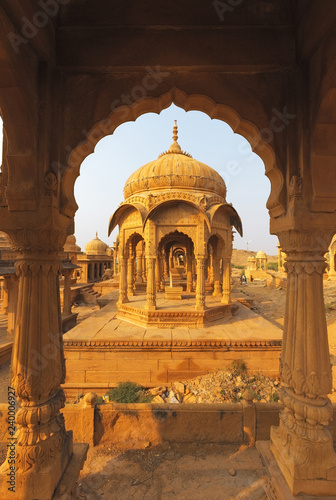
(269, 302)
(195, 472)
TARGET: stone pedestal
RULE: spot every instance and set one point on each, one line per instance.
(173, 292)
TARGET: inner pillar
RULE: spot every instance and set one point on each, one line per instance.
(130, 272)
(151, 286)
(303, 443)
(67, 293)
(200, 284)
(43, 448)
(157, 273)
(189, 272)
(139, 278)
(216, 273)
(123, 298)
(226, 299)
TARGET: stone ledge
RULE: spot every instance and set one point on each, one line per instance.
(194, 344)
(68, 484)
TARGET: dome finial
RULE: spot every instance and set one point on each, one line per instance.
(175, 131)
(96, 234)
(175, 147)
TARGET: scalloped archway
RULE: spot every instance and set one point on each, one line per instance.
(194, 102)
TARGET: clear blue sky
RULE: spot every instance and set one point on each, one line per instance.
(99, 189)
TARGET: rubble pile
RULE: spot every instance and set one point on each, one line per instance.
(219, 387)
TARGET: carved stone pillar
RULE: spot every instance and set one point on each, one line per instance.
(211, 269)
(139, 278)
(43, 448)
(166, 265)
(216, 270)
(189, 272)
(303, 444)
(151, 294)
(226, 299)
(114, 263)
(171, 259)
(200, 284)
(279, 257)
(123, 298)
(5, 296)
(67, 292)
(130, 273)
(157, 273)
(144, 271)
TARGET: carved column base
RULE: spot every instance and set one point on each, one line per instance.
(303, 444)
(217, 289)
(38, 482)
(312, 477)
(226, 299)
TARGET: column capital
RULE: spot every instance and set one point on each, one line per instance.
(305, 243)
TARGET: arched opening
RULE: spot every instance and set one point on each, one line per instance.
(248, 130)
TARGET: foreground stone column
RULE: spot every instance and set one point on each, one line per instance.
(151, 294)
(226, 299)
(42, 446)
(200, 284)
(123, 298)
(303, 443)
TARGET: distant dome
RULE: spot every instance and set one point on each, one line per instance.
(109, 251)
(70, 245)
(96, 247)
(261, 255)
(175, 169)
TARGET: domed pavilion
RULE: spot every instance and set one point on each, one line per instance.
(175, 234)
(96, 258)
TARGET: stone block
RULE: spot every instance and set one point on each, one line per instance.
(173, 292)
(136, 365)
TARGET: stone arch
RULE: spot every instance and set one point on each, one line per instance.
(171, 234)
(173, 202)
(195, 102)
(134, 239)
(218, 243)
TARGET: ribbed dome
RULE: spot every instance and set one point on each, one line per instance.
(261, 255)
(175, 169)
(96, 247)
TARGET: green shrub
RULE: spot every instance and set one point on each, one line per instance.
(129, 392)
(272, 266)
(239, 367)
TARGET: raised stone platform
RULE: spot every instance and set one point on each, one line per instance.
(173, 316)
(104, 350)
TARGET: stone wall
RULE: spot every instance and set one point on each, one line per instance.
(98, 367)
(137, 425)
